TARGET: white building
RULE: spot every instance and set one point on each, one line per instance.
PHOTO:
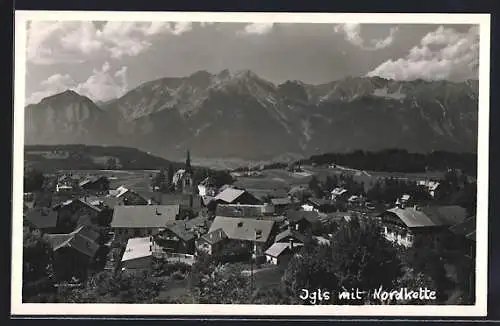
(138, 253)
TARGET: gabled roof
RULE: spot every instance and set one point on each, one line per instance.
(471, 236)
(120, 191)
(187, 229)
(405, 197)
(42, 218)
(229, 195)
(142, 216)
(93, 201)
(318, 202)
(243, 228)
(178, 199)
(138, 248)
(239, 210)
(295, 216)
(430, 215)
(92, 179)
(290, 233)
(82, 240)
(464, 228)
(83, 201)
(446, 215)
(215, 236)
(338, 191)
(277, 249)
(411, 217)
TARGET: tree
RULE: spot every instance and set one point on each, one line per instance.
(124, 287)
(311, 269)
(33, 180)
(315, 186)
(170, 175)
(359, 254)
(37, 262)
(105, 217)
(330, 183)
(111, 163)
(211, 282)
(428, 255)
(357, 257)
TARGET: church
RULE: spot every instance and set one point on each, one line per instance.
(183, 178)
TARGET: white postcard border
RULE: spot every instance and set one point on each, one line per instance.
(479, 309)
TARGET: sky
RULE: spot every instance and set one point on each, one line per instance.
(104, 60)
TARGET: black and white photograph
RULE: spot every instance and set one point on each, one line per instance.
(250, 164)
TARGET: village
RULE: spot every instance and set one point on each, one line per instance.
(94, 227)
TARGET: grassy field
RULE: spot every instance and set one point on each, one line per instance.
(137, 180)
(273, 182)
(370, 177)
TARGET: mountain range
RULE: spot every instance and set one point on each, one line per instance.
(243, 116)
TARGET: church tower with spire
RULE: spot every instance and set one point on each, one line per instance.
(187, 180)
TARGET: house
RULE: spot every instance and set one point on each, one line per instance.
(138, 254)
(94, 183)
(431, 186)
(74, 211)
(28, 196)
(400, 225)
(74, 252)
(244, 210)
(228, 234)
(282, 204)
(43, 219)
(319, 205)
(132, 198)
(339, 193)
(355, 200)
(302, 221)
(280, 253)
(466, 235)
(180, 236)
(189, 204)
(236, 196)
(67, 183)
(291, 236)
(300, 192)
(183, 178)
(142, 220)
(207, 187)
(90, 206)
(403, 201)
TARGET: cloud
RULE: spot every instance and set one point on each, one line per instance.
(352, 34)
(258, 28)
(54, 84)
(442, 54)
(74, 41)
(101, 85)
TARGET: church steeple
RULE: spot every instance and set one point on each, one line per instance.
(188, 163)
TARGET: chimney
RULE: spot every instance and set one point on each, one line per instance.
(296, 227)
(416, 207)
(291, 243)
